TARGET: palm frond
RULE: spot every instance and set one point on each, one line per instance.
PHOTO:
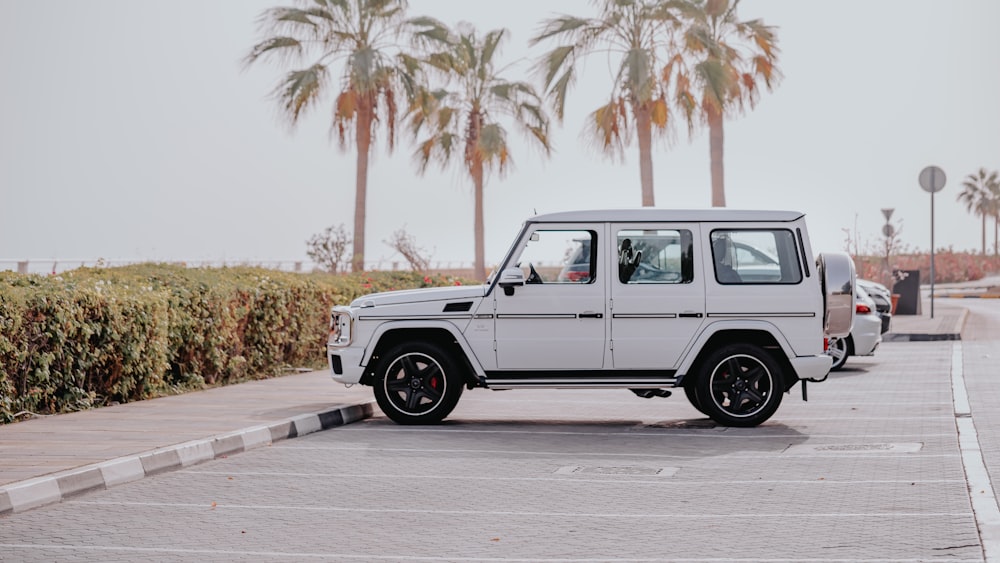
(301, 89)
(285, 47)
(609, 127)
(559, 26)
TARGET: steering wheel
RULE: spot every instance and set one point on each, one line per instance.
(533, 276)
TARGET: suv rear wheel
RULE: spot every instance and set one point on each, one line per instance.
(739, 385)
(417, 383)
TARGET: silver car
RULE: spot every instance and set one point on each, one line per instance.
(865, 336)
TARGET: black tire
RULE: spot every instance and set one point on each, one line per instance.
(417, 383)
(739, 385)
(839, 350)
(691, 392)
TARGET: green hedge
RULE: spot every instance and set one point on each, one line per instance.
(91, 337)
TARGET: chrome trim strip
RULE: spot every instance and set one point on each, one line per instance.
(484, 316)
(410, 317)
(751, 314)
(538, 316)
(644, 316)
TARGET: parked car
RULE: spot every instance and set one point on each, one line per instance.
(865, 336)
(729, 306)
(882, 297)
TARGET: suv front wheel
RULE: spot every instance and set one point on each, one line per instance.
(417, 383)
(739, 385)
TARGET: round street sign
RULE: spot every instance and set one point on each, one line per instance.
(932, 179)
(888, 230)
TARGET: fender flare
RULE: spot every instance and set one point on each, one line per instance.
(708, 331)
(448, 326)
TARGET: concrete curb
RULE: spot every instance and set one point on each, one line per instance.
(32, 493)
(920, 337)
(930, 336)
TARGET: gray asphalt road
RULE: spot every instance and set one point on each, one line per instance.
(870, 469)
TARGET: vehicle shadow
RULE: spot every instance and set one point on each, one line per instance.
(680, 437)
(849, 371)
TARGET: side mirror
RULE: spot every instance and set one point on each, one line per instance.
(511, 278)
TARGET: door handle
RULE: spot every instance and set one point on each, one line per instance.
(690, 315)
(589, 315)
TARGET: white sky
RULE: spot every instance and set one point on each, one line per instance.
(129, 131)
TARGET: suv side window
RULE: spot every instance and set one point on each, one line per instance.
(655, 256)
(755, 256)
(552, 256)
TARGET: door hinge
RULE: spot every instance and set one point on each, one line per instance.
(611, 344)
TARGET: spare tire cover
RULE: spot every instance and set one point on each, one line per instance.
(836, 272)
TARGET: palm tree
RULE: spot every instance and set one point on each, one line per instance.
(637, 35)
(467, 118)
(731, 57)
(358, 35)
(980, 194)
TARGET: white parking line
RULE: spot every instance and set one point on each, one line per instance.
(368, 449)
(293, 555)
(527, 513)
(654, 432)
(611, 479)
(984, 502)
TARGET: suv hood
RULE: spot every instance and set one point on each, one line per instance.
(421, 295)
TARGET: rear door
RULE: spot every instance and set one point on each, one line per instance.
(657, 293)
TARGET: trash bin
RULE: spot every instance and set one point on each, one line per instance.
(908, 288)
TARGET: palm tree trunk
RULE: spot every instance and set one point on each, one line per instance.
(644, 130)
(984, 234)
(996, 221)
(480, 265)
(364, 142)
(715, 142)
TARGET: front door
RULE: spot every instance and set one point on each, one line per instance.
(558, 319)
(658, 295)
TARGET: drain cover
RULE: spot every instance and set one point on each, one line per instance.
(625, 470)
(885, 447)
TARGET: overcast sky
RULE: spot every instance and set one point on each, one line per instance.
(128, 130)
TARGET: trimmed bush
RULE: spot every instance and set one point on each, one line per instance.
(90, 337)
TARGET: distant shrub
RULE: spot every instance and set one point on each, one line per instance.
(950, 266)
(94, 336)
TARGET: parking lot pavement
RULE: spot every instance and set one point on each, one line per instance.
(49, 458)
(875, 458)
(869, 469)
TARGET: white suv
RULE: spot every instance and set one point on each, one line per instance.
(727, 305)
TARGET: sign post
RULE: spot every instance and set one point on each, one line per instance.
(932, 180)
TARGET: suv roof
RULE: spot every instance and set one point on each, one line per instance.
(652, 214)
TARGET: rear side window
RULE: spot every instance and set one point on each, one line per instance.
(655, 256)
(755, 256)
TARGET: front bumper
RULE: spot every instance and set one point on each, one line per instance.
(345, 364)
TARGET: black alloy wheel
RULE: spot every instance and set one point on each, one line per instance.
(739, 385)
(417, 383)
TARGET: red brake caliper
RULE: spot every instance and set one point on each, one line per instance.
(434, 382)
